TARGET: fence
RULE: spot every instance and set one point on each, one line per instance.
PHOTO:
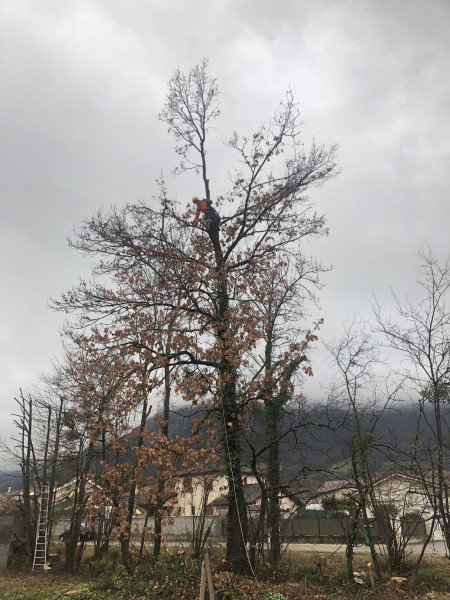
(327, 529)
(295, 529)
(173, 528)
(321, 529)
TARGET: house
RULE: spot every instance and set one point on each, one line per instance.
(398, 498)
(339, 488)
(64, 493)
(206, 492)
(10, 503)
(201, 492)
(146, 504)
(399, 492)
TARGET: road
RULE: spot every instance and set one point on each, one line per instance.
(435, 548)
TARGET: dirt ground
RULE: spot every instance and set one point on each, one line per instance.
(304, 576)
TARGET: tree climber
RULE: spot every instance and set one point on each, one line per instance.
(211, 216)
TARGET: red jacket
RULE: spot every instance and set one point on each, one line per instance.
(202, 206)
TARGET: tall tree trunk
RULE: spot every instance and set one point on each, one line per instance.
(54, 465)
(259, 530)
(273, 410)
(442, 486)
(358, 451)
(125, 537)
(274, 484)
(350, 542)
(25, 425)
(165, 432)
(272, 413)
(237, 526)
(230, 422)
(78, 509)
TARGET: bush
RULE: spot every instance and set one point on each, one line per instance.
(339, 577)
(119, 584)
(104, 565)
(18, 554)
(305, 570)
(431, 578)
(175, 574)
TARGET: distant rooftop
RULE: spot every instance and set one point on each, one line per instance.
(336, 484)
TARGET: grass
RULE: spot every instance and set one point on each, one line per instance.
(24, 585)
(177, 575)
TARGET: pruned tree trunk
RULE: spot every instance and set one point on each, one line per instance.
(78, 507)
(24, 423)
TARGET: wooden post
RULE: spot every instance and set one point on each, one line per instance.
(371, 575)
(212, 595)
(203, 582)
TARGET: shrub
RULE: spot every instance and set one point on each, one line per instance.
(104, 565)
(339, 576)
(305, 570)
(431, 578)
(121, 585)
(18, 554)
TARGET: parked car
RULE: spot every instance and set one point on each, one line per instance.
(85, 535)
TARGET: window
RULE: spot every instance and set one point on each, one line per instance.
(187, 485)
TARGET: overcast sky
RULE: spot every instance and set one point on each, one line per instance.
(82, 82)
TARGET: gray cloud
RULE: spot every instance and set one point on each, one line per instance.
(83, 81)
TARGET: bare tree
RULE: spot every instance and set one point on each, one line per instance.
(420, 331)
(282, 321)
(27, 463)
(37, 450)
(357, 385)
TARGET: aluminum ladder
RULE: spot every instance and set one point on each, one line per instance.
(40, 551)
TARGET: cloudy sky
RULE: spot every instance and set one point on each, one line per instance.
(82, 82)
